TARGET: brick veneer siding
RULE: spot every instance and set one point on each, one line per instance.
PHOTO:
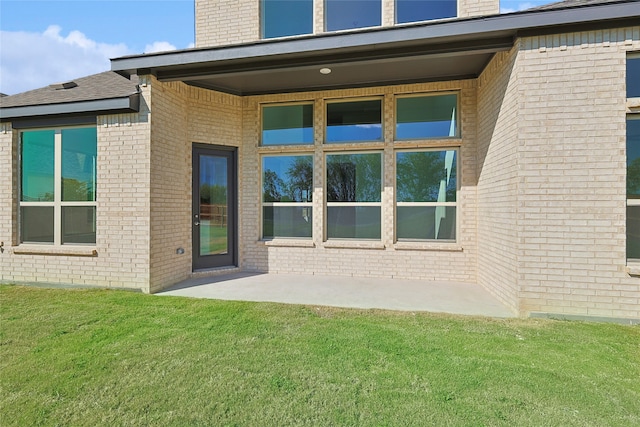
(122, 220)
(572, 174)
(224, 22)
(498, 102)
(181, 116)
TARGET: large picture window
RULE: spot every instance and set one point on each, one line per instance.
(287, 190)
(58, 186)
(354, 121)
(426, 191)
(349, 14)
(354, 191)
(281, 18)
(287, 124)
(425, 10)
(427, 116)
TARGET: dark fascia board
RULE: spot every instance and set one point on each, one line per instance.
(103, 106)
(458, 30)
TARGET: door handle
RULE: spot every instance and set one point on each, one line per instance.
(196, 223)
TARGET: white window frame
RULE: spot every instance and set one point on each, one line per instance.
(263, 204)
(57, 202)
(426, 204)
(328, 204)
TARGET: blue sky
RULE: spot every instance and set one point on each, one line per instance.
(47, 41)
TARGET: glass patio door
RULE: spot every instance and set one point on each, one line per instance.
(214, 207)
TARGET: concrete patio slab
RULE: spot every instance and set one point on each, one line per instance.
(349, 292)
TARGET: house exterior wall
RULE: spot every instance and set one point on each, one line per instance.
(571, 174)
(498, 117)
(385, 258)
(224, 22)
(122, 219)
(181, 116)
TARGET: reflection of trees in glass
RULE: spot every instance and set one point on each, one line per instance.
(419, 176)
(76, 190)
(213, 194)
(633, 178)
(354, 178)
(295, 186)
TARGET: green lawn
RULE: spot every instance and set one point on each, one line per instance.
(116, 358)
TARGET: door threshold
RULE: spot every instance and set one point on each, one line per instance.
(216, 271)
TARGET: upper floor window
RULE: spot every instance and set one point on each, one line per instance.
(281, 18)
(349, 14)
(287, 124)
(354, 121)
(58, 186)
(425, 10)
(426, 116)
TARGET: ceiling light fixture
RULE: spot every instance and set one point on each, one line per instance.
(325, 70)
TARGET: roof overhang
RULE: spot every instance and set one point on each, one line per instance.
(434, 51)
(127, 104)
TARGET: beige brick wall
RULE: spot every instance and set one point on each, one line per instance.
(224, 22)
(122, 221)
(433, 261)
(571, 181)
(181, 115)
(498, 102)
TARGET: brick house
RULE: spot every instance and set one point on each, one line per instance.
(397, 138)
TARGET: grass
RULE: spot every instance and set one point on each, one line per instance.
(98, 357)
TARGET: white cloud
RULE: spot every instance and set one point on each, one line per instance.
(158, 47)
(519, 6)
(33, 60)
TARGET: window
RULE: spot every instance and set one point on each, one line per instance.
(426, 188)
(354, 121)
(348, 14)
(287, 124)
(430, 116)
(58, 186)
(633, 187)
(287, 190)
(633, 76)
(354, 190)
(282, 18)
(425, 10)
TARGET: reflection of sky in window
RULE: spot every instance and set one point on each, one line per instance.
(633, 77)
(346, 14)
(286, 18)
(280, 165)
(287, 124)
(344, 133)
(37, 165)
(213, 170)
(424, 10)
(426, 117)
(287, 136)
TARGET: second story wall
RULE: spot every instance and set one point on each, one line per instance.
(224, 22)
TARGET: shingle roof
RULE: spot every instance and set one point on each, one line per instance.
(106, 85)
(576, 3)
